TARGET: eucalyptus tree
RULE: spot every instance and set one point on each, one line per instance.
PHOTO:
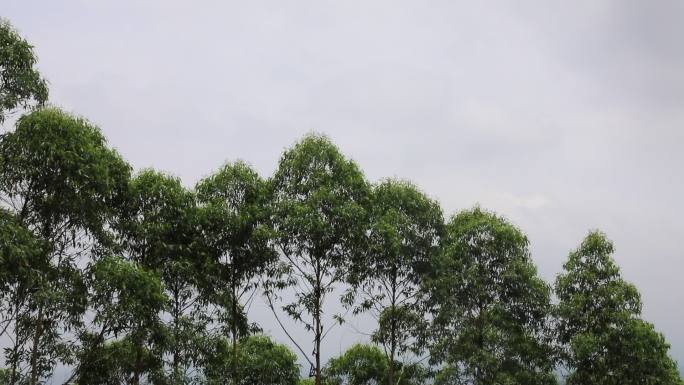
(21, 253)
(259, 361)
(21, 85)
(159, 232)
(404, 228)
(124, 333)
(121, 361)
(318, 201)
(61, 182)
(235, 226)
(235, 230)
(489, 308)
(604, 341)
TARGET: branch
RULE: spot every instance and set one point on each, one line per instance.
(270, 305)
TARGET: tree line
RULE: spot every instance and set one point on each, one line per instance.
(132, 278)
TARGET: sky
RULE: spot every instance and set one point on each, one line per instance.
(561, 116)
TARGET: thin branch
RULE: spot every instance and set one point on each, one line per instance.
(270, 305)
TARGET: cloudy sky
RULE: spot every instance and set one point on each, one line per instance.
(562, 116)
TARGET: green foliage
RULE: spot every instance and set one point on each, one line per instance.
(139, 281)
(124, 295)
(119, 362)
(20, 83)
(59, 176)
(368, 365)
(592, 287)
(159, 232)
(62, 183)
(490, 309)
(157, 222)
(234, 221)
(404, 228)
(126, 301)
(20, 255)
(359, 365)
(318, 201)
(260, 361)
(132, 281)
(603, 340)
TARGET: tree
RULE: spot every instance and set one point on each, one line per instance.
(319, 199)
(368, 365)
(159, 232)
(402, 239)
(260, 361)
(120, 344)
(236, 234)
(20, 83)
(598, 325)
(489, 308)
(122, 361)
(359, 365)
(20, 254)
(60, 181)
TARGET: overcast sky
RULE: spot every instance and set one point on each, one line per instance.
(562, 116)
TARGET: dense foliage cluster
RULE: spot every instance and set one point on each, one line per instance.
(133, 278)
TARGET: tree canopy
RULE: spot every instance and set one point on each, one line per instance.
(368, 365)
(20, 82)
(319, 217)
(489, 308)
(402, 238)
(117, 277)
(603, 339)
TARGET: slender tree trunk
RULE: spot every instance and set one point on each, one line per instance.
(36, 344)
(317, 320)
(234, 328)
(393, 349)
(393, 328)
(15, 352)
(176, 334)
(318, 352)
(479, 377)
(135, 380)
(39, 325)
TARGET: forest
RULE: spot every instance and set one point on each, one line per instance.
(128, 277)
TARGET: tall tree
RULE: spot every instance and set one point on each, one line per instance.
(159, 232)
(489, 308)
(402, 240)
(319, 199)
(120, 341)
(61, 182)
(20, 83)
(604, 341)
(236, 232)
(21, 253)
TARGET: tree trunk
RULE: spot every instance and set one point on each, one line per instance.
(390, 375)
(393, 328)
(36, 344)
(136, 372)
(317, 321)
(318, 355)
(15, 352)
(39, 325)
(234, 330)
